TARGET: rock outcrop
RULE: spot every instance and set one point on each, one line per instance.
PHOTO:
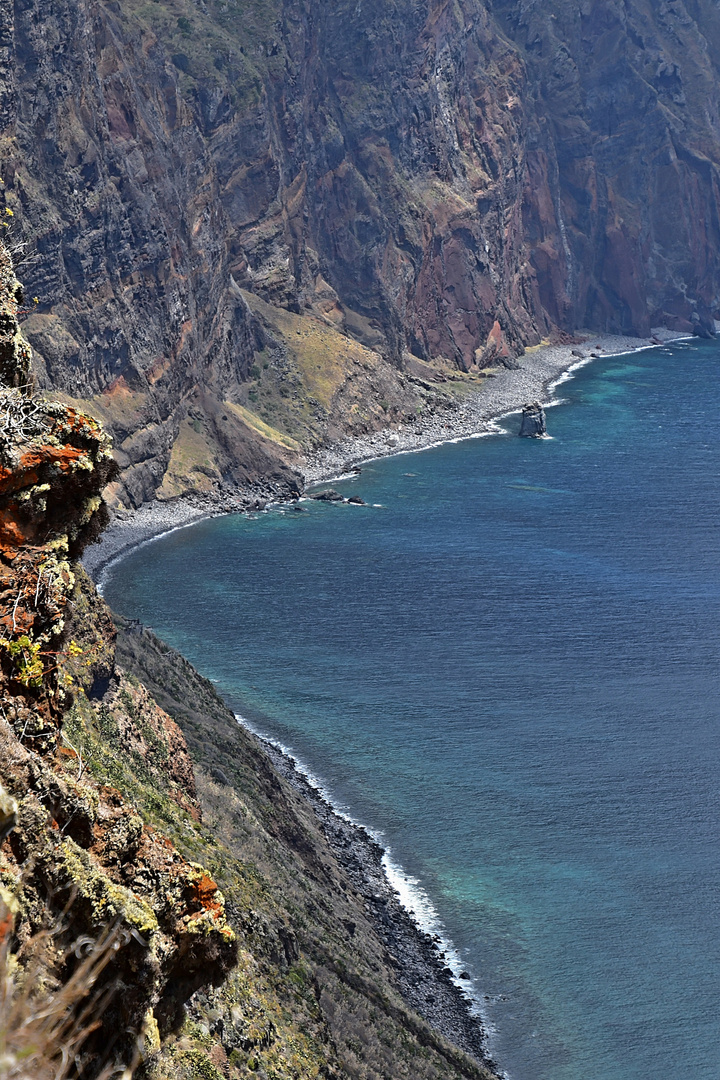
(532, 423)
(78, 861)
(247, 225)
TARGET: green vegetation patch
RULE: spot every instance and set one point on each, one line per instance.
(262, 428)
(192, 465)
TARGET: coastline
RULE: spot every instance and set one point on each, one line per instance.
(424, 977)
(504, 392)
(420, 958)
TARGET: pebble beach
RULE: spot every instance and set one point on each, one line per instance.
(423, 976)
(504, 391)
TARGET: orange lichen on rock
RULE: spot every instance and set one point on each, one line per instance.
(54, 464)
(79, 852)
(207, 896)
(12, 534)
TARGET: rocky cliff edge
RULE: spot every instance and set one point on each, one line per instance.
(173, 912)
(79, 861)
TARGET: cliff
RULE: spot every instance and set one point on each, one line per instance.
(79, 863)
(252, 228)
(168, 902)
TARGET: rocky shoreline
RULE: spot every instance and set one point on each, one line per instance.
(423, 976)
(505, 391)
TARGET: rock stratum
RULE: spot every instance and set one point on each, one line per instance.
(253, 229)
(170, 905)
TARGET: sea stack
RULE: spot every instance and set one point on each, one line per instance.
(533, 421)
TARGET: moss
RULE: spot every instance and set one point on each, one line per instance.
(95, 734)
(197, 1065)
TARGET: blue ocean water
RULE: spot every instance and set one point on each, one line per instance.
(509, 664)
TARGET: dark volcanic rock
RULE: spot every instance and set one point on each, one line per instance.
(330, 495)
(533, 420)
(621, 202)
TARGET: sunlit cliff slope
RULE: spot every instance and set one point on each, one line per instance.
(233, 940)
(246, 220)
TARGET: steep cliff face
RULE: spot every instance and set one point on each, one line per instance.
(449, 181)
(185, 914)
(107, 165)
(78, 857)
(622, 160)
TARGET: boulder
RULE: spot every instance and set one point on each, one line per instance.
(329, 495)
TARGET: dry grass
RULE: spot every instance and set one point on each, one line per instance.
(51, 1001)
(22, 418)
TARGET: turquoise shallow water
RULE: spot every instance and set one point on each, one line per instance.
(510, 667)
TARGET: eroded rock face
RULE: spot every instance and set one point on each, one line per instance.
(434, 180)
(622, 159)
(76, 856)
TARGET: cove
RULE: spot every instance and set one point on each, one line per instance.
(507, 664)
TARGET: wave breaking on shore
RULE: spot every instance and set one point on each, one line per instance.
(504, 393)
(430, 972)
(536, 374)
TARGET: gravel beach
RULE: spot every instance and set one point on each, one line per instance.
(130, 528)
(503, 392)
(506, 391)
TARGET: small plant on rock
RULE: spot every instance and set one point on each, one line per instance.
(27, 661)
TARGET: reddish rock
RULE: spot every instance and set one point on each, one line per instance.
(78, 853)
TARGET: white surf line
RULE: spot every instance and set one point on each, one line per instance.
(569, 373)
(373, 455)
(135, 545)
(410, 893)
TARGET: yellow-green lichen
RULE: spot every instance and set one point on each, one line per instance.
(150, 1033)
(108, 901)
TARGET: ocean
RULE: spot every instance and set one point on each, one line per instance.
(507, 665)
